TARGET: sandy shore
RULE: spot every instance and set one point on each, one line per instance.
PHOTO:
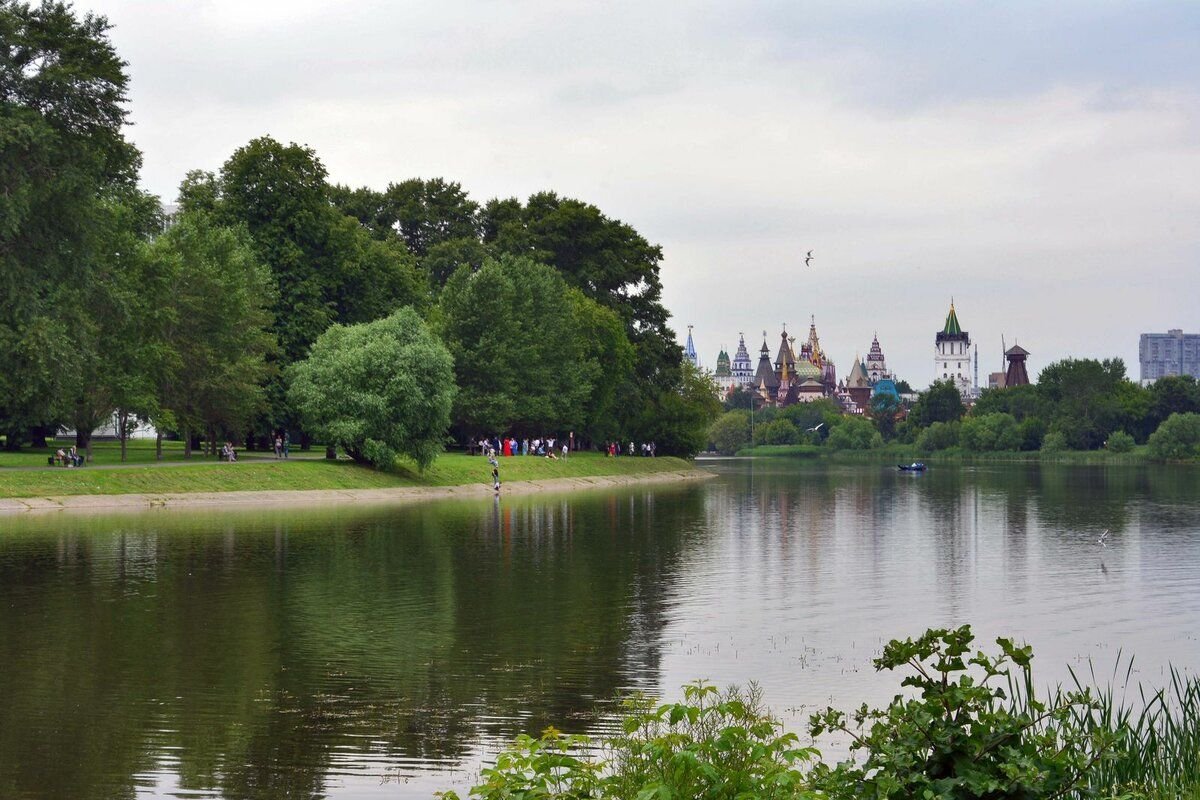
(321, 497)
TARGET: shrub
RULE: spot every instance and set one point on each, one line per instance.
(379, 390)
(1177, 437)
(778, 432)
(1119, 442)
(731, 432)
(1032, 430)
(713, 745)
(997, 431)
(1054, 442)
(854, 433)
(938, 436)
(972, 728)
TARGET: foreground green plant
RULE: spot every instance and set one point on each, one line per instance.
(713, 746)
(973, 729)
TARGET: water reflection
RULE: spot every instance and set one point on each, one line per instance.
(384, 651)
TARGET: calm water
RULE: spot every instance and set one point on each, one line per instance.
(382, 652)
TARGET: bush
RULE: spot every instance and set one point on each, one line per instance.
(1119, 442)
(1054, 442)
(731, 432)
(854, 433)
(938, 436)
(1032, 430)
(1177, 438)
(998, 431)
(713, 745)
(378, 390)
(778, 432)
(970, 728)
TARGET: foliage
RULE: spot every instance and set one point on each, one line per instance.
(972, 727)
(1023, 402)
(519, 358)
(1084, 399)
(216, 336)
(677, 419)
(1119, 442)
(1054, 442)
(712, 746)
(1174, 394)
(809, 415)
(990, 432)
(731, 432)
(941, 402)
(938, 436)
(1031, 430)
(1177, 438)
(739, 398)
(63, 157)
(781, 431)
(884, 409)
(854, 433)
(379, 389)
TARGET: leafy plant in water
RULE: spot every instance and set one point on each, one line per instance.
(973, 728)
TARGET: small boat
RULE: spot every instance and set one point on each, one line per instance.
(916, 466)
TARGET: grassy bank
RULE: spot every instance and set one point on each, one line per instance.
(904, 453)
(451, 469)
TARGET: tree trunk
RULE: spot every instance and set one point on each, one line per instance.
(187, 442)
(250, 441)
(305, 441)
(123, 430)
(158, 444)
(37, 436)
(83, 442)
(331, 453)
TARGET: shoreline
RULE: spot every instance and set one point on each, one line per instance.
(309, 497)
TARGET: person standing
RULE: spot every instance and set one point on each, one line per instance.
(496, 479)
(287, 443)
(278, 446)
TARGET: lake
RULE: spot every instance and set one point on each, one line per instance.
(383, 651)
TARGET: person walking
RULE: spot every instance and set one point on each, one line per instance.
(278, 446)
(287, 443)
(496, 479)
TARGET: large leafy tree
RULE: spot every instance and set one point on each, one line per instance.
(218, 335)
(941, 402)
(519, 359)
(62, 153)
(379, 389)
(678, 420)
(1084, 396)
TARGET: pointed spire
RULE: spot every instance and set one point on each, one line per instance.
(952, 327)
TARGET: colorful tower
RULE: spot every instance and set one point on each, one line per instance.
(689, 350)
(723, 377)
(741, 366)
(952, 356)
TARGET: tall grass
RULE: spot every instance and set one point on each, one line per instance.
(1156, 750)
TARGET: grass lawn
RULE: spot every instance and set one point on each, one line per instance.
(137, 451)
(449, 470)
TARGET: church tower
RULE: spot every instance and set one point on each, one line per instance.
(741, 367)
(952, 357)
(689, 350)
(876, 366)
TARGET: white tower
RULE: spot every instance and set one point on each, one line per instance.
(741, 367)
(952, 359)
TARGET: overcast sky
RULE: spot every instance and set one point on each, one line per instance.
(1040, 162)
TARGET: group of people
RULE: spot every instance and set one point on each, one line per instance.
(67, 458)
(283, 445)
(507, 446)
(228, 453)
(645, 449)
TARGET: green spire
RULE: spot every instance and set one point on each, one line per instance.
(952, 322)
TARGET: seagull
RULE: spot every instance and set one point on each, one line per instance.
(1103, 536)
(815, 428)
(808, 258)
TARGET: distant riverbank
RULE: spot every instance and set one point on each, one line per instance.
(318, 481)
(908, 453)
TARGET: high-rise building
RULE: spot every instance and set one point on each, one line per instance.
(952, 356)
(1170, 353)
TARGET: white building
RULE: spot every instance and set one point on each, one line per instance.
(741, 367)
(876, 365)
(952, 356)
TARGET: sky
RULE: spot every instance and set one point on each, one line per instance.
(1039, 163)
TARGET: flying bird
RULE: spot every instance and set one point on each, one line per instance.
(808, 258)
(815, 428)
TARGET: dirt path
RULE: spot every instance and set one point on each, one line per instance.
(301, 498)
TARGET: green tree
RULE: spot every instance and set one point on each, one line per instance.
(885, 408)
(1173, 394)
(1020, 401)
(990, 432)
(941, 402)
(606, 363)
(426, 213)
(739, 398)
(1177, 438)
(379, 389)
(938, 436)
(781, 431)
(62, 156)
(217, 335)
(1119, 442)
(854, 433)
(677, 419)
(1083, 396)
(731, 432)
(1054, 442)
(518, 354)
